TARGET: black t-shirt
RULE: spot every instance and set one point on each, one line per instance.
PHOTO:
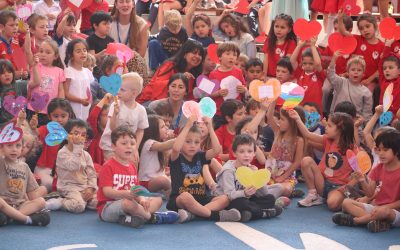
(187, 176)
(98, 44)
(267, 138)
(172, 42)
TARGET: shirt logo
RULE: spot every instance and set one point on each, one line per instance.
(363, 47)
(279, 52)
(314, 78)
(375, 55)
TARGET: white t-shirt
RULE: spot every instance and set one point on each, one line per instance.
(135, 118)
(149, 166)
(62, 49)
(123, 32)
(79, 87)
(41, 8)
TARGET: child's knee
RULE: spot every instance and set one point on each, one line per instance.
(41, 202)
(347, 203)
(184, 197)
(307, 162)
(3, 203)
(334, 204)
(74, 206)
(128, 205)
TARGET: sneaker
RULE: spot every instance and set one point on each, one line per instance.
(297, 193)
(377, 226)
(310, 200)
(245, 216)
(52, 195)
(343, 219)
(279, 210)
(168, 217)
(282, 202)
(3, 219)
(131, 221)
(271, 212)
(41, 219)
(229, 215)
(54, 204)
(185, 216)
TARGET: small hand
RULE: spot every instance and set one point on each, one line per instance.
(108, 98)
(223, 92)
(189, 75)
(85, 102)
(87, 194)
(33, 123)
(192, 119)
(241, 89)
(145, 203)
(379, 109)
(249, 191)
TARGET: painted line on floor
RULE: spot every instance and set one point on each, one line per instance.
(74, 246)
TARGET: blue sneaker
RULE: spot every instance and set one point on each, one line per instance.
(168, 217)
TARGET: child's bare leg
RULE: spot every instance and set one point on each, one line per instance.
(40, 192)
(215, 166)
(155, 204)
(33, 206)
(356, 209)
(287, 189)
(218, 203)
(135, 209)
(384, 8)
(12, 212)
(312, 175)
(45, 177)
(187, 202)
(159, 183)
(335, 200)
(264, 18)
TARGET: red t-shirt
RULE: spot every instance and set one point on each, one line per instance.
(219, 75)
(94, 149)
(371, 54)
(334, 166)
(280, 51)
(115, 175)
(388, 183)
(48, 156)
(88, 12)
(225, 138)
(383, 83)
(341, 63)
(313, 83)
(395, 48)
(6, 50)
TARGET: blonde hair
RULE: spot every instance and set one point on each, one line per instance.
(243, 58)
(90, 60)
(173, 19)
(356, 60)
(34, 19)
(134, 80)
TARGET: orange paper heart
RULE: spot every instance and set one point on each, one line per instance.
(260, 90)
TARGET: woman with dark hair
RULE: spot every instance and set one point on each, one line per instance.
(188, 60)
(177, 91)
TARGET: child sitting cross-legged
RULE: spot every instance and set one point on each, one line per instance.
(382, 212)
(252, 203)
(116, 202)
(188, 195)
(19, 192)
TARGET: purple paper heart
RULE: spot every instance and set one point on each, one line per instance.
(39, 101)
(14, 105)
(216, 82)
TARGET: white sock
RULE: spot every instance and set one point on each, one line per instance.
(312, 191)
(54, 204)
(28, 220)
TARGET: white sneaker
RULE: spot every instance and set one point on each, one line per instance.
(311, 200)
(54, 204)
(185, 216)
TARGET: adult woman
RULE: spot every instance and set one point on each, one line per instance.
(188, 61)
(177, 91)
(128, 28)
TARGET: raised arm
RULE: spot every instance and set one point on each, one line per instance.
(369, 139)
(303, 129)
(270, 117)
(162, 146)
(188, 17)
(260, 116)
(341, 27)
(316, 56)
(295, 55)
(180, 140)
(35, 81)
(216, 147)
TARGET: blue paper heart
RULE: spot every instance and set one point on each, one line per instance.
(144, 192)
(385, 118)
(208, 107)
(312, 119)
(56, 135)
(111, 83)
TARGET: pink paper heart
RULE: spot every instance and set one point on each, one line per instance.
(125, 55)
(190, 108)
(23, 11)
(39, 101)
(14, 105)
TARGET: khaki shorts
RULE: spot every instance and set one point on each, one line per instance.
(396, 223)
(112, 211)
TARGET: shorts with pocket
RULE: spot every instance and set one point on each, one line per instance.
(112, 210)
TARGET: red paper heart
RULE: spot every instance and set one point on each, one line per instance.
(306, 30)
(387, 27)
(351, 8)
(347, 44)
(77, 5)
(241, 7)
(19, 59)
(261, 38)
(212, 52)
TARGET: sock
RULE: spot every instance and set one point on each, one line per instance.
(312, 191)
(214, 216)
(28, 220)
(153, 219)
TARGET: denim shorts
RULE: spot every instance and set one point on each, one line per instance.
(328, 187)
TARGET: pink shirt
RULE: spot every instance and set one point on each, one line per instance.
(50, 80)
(388, 183)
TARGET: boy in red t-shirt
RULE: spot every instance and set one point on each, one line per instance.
(233, 111)
(116, 202)
(228, 53)
(386, 176)
(8, 41)
(310, 75)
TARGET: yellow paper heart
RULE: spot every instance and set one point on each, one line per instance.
(248, 177)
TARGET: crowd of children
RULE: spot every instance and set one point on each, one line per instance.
(117, 148)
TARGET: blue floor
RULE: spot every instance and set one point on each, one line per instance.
(67, 229)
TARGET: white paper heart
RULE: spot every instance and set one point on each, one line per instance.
(230, 83)
(10, 134)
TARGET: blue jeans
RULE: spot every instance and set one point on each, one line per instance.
(157, 55)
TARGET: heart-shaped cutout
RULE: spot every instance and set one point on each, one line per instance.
(76, 5)
(190, 108)
(364, 162)
(351, 8)
(230, 83)
(242, 7)
(24, 11)
(208, 107)
(256, 178)
(124, 55)
(144, 192)
(39, 101)
(212, 52)
(306, 30)
(14, 105)
(56, 135)
(10, 134)
(385, 118)
(111, 84)
(388, 97)
(352, 159)
(260, 90)
(206, 85)
(347, 44)
(312, 119)
(292, 93)
(386, 27)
